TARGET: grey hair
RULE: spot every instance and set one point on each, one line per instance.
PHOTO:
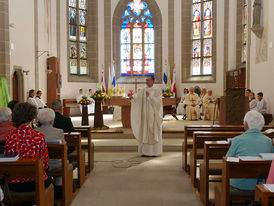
(45, 116)
(254, 120)
(56, 104)
(5, 114)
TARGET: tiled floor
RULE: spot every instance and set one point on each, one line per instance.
(153, 181)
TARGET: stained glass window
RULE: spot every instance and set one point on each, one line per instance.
(202, 37)
(78, 37)
(137, 50)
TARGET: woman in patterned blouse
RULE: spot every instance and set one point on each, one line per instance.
(28, 143)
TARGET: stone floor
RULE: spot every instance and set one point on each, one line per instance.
(135, 181)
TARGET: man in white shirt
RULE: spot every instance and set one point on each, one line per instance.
(261, 103)
(40, 103)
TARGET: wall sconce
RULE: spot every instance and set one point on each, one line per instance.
(48, 71)
(40, 53)
(26, 72)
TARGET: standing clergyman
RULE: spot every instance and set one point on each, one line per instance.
(146, 118)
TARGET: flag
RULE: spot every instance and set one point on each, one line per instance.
(113, 77)
(168, 77)
(173, 87)
(164, 76)
(103, 83)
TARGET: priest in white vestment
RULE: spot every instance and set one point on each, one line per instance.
(147, 118)
(181, 107)
(91, 107)
(210, 106)
(192, 103)
(40, 103)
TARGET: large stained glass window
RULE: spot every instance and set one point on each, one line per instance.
(245, 32)
(202, 37)
(137, 50)
(78, 37)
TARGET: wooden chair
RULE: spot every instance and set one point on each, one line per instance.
(69, 104)
(29, 168)
(74, 140)
(59, 151)
(241, 169)
(86, 132)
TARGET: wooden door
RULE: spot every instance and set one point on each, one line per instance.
(15, 87)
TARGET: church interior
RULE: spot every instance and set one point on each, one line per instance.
(136, 102)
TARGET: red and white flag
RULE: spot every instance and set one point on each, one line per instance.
(173, 86)
(103, 83)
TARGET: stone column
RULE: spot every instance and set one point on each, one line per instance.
(4, 41)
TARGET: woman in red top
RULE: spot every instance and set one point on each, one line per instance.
(28, 143)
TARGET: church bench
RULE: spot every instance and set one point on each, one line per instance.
(188, 136)
(74, 140)
(241, 169)
(268, 118)
(264, 196)
(86, 133)
(198, 144)
(59, 151)
(29, 168)
(69, 104)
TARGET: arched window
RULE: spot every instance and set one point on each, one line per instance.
(78, 37)
(202, 38)
(137, 40)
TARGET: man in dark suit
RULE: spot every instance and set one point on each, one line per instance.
(61, 121)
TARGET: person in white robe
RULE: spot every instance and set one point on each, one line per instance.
(147, 118)
(40, 103)
(91, 107)
(79, 97)
(181, 107)
(192, 102)
(252, 101)
(210, 106)
(202, 96)
(31, 98)
(261, 103)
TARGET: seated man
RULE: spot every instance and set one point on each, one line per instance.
(252, 101)
(261, 103)
(41, 104)
(5, 123)
(210, 106)
(192, 103)
(251, 143)
(181, 107)
(60, 120)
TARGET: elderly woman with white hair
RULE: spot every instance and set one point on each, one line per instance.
(46, 118)
(5, 123)
(251, 143)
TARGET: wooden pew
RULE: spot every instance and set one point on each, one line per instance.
(198, 145)
(29, 168)
(188, 136)
(86, 132)
(263, 195)
(74, 140)
(68, 104)
(59, 151)
(242, 169)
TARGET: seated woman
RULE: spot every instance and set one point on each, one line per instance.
(5, 123)
(52, 135)
(27, 143)
(251, 143)
(252, 101)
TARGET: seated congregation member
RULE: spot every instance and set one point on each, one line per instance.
(261, 103)
(192, 102)
(247, 92)
(181, 107)
(251, 143)
(252, 101)
(40, 103)
(60, 121)
(27, 143)
(210, 107)
(5, 123)
(31, 98)
(12, 104)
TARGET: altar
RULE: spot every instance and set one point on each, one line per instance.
(126, 106)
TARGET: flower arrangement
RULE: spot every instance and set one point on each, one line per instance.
(84, 101)
(98, 95)
(167, 93)
(130, 94)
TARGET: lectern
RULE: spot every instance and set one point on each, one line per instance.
(233, 107)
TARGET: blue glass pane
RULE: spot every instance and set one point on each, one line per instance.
(143, 19)
(148, 24)
(126, 14)
(125, 24)
(72, 16)
(147, 13)
(82, 17)
(131, 19)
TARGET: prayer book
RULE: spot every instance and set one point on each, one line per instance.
(232, 159)
(270, 187)
(250, 158)
(9, 157)
(267, 156)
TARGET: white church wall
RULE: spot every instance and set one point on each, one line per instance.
(262, 74)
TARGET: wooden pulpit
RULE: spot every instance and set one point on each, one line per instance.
(233, 107)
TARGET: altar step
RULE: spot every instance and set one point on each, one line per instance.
(131, 145)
